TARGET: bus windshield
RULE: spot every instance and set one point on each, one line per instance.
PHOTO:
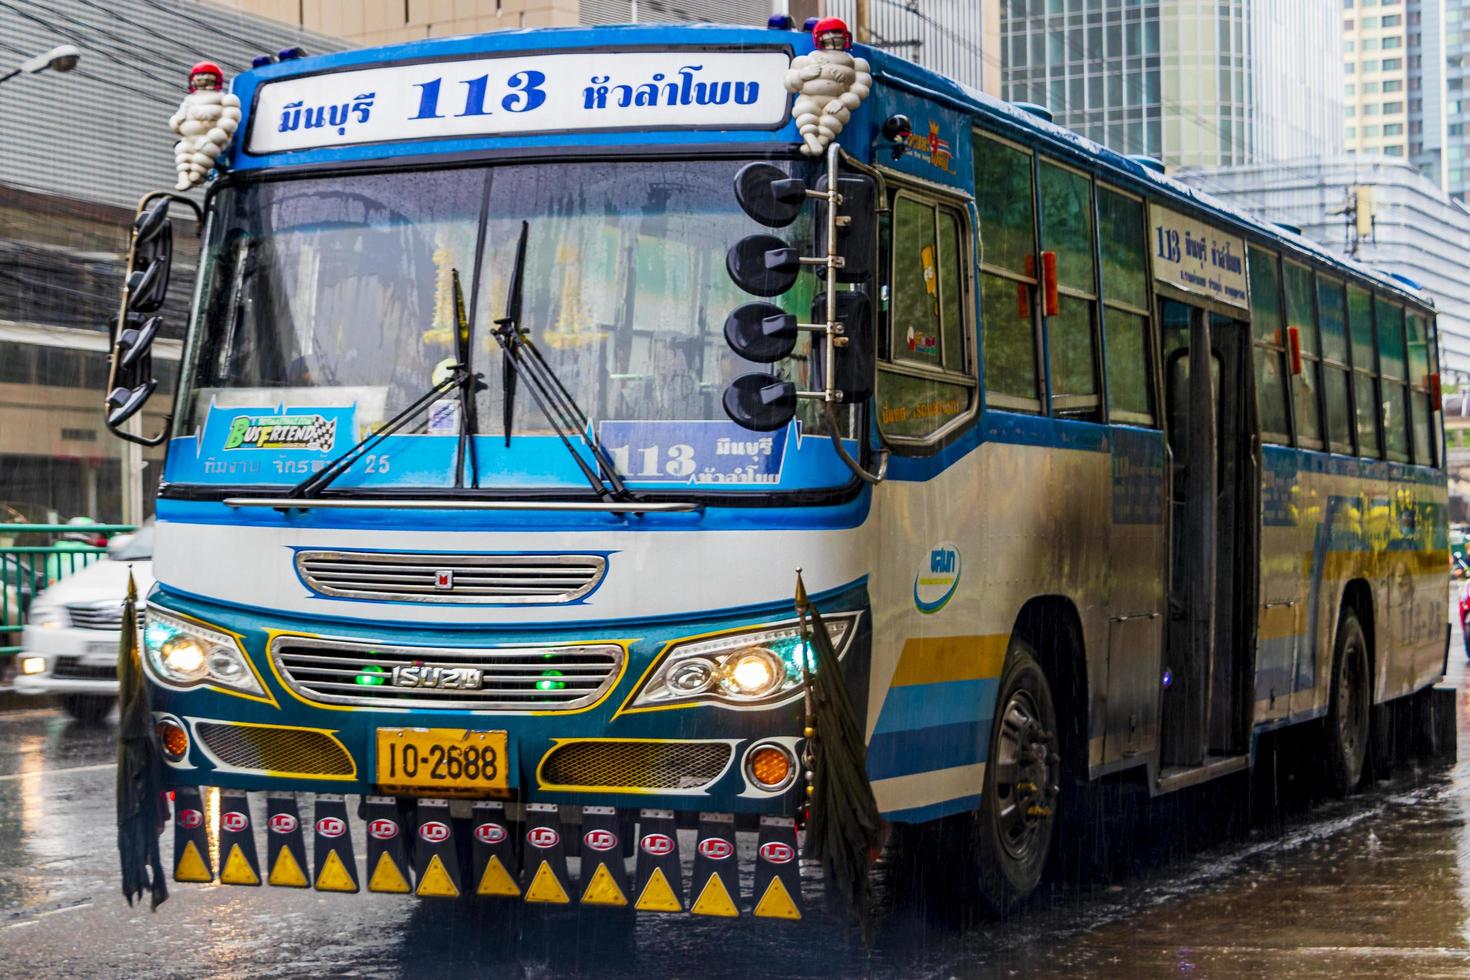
(330, 304)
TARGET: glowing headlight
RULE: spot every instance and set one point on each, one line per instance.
(759, 666)
(180, 653)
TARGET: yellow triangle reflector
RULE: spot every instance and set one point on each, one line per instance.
(287, 873)
(497, 881)
(658, 896)
(776, 903)
(388, 877)
(603, 890)
(191, 866)
(545, 887)
(715, 900)
(334, 876)
(436, 882)
(237, 870)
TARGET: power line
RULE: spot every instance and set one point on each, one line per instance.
(129, 47)
(84, 42)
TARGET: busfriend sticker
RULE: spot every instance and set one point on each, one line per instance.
(313, 432)
(938, 578)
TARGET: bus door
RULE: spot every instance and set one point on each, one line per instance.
(1212, 536)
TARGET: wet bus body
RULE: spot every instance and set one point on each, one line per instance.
(573, 617)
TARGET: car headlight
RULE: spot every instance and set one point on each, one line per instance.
(759, 666)
(48, 617)
(181, 653)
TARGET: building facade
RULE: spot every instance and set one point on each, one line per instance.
(1196, 83)
(77, 151)
(1414, 229)
(1395, 83)
(958, 38)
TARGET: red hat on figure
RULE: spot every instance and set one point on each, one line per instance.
(829, 25)
(205, 68)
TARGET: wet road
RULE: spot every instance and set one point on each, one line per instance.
(1198, 883)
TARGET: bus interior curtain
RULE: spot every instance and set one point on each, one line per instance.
(142, 806)
(842, 826)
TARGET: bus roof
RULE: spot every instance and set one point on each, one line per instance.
(992, 113)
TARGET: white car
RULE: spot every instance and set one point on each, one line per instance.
(69, 645)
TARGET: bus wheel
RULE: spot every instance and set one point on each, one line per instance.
(1349, 708)
(1022, 783)
(89, 709)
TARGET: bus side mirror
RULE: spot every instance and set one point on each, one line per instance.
(761, 332)
(766, 194)
(760, 402)
(130, 380)
(763, 265)
(854, 370)
(857, 226)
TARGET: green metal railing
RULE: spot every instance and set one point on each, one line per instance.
(27, 569)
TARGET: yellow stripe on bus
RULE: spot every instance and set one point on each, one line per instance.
(933, 659)
(1278, 622)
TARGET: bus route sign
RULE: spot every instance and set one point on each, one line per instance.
(1192, 256)
(592, 90)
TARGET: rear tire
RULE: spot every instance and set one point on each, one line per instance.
(1015, 822)
(88, 708)
(1349, 708)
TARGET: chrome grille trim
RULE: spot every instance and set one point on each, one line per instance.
(95, 617)
(482, 578)
(324, 670)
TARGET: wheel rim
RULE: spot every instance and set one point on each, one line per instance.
(1025, 789)
(1352, 705)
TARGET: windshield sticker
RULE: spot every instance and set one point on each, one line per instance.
(311, 432)
(694, 452)
(444, 417)
(592, 90)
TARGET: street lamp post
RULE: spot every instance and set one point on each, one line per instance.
(63, 57)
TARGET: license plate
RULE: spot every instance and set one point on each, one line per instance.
(98, 652)
(442, 761)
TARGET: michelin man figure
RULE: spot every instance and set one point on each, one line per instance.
(829, 84)
(205, 122)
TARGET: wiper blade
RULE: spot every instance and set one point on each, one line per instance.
(468, 423)
(523, 359)
(313, 485)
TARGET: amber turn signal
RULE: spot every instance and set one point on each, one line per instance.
(172, 738)
(770, 766)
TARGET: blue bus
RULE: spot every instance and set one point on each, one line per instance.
(527, 368)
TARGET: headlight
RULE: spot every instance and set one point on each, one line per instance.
(48, 617)
(181, 653)
(760, 666)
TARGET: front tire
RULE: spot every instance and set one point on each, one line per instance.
(1349, 708)
(1017, 815)
(89, 709)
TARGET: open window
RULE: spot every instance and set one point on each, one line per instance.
(926, 383)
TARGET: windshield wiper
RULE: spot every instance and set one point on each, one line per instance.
(524, 360)
(313, 485)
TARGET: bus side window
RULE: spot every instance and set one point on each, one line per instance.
(1066, 229)
(1365, 371)
(1435, 418)
(1300, 315)
(1332, 315)
(1004, 198)
(927, 382)
(1394, 368)
(1418, 338)
(1270, 347)
(1123, 244)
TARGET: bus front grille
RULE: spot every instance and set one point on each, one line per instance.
(536, 678)
(95, 617)
(455, 578)
(613, 764)
(273, 749)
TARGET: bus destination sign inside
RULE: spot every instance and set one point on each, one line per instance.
(592, 90)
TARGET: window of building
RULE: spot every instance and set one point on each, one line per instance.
(1370, 87)
(1389, 85)
(1369, 44)
(1066, 229)
(1349, 132)
(1270, 350)
(1365, 370)
(1392, 20)
(17, 363)
(1394, 368)
(1393, 129)
(1004, 197)
(1332, 318)
(1371, 109)
(1301, 318)
(1392, 42)
(1393, 108)
(1122, 234)
(1392, 64)
(927, 386)
(1349, 89)
(1394, 150)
